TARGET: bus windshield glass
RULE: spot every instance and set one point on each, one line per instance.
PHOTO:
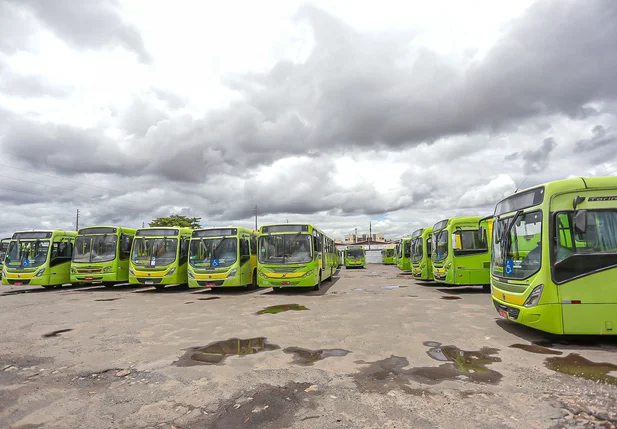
(389, 252)
(95, 248)
(152, 252)
(441, 245)
(285, 249)
(213, 252)
(355, 253)
(517, 248)
(470, 243)
(417, 249)
(27, 253)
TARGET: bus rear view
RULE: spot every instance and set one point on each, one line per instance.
(554, 264)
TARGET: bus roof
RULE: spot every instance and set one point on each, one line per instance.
(163, 231)
(442, 224)
(216, 231)
(536, 195)
(42, 233)
(104, 229)
(289, 228)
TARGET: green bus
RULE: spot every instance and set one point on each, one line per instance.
(554, 257)
(421, 245)
(387, 255)
(4, 245)
(355, 257)
(101, 255)
(396, 247)
(404, 255)
(159, 256)
(223, 257)
(294, 255)
(461, 254)
(39, 258)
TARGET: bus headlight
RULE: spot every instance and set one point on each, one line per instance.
(106, 270)
(232, 273)
(534, 296)
(131, 272)
(170, 272)
(263, 275)
(308, 273)
(40, 273)
(191, 275)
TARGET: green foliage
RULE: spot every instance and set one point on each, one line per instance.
(177, 220)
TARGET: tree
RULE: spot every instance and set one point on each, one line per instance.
(177, 220)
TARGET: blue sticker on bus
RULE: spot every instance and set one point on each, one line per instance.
(509, 267)
(215, 262)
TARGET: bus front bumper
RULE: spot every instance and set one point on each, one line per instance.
(98, 278)
(546, 317)
(12, 279)
(210, 283)
(308, 280)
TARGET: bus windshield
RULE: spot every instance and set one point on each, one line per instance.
(355, 253)
(95, 248)
(470, 243)
(213, 252)
(441, 245)
(417, 249)
(27, 253)
(153, 252)
(389, 252)
(517, 248)
(285, 249)
(3, 247)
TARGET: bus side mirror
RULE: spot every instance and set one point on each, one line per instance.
(482, 232)
(580, 221)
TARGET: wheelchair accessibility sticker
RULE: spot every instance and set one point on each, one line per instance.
(509, 267)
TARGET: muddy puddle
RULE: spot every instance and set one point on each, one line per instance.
(274, 309)
(578, 366)
(307, 357)
(450, 297)
(536, 348)
(107, 299)
(55, 333)
(217, 352)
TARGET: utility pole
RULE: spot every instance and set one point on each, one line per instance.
(355, 236)
(77, 221)
(255, 213)
(370, 234)
(143, 224)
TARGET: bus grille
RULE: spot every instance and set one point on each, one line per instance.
(23, 282)
(512, 312)
(88, 270)
(211, 282)
(287, 269)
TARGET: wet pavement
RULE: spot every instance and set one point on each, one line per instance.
(372, 349)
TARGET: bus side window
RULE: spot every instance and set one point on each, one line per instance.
(184, 250)
(61, 251)
(125, 246)
(244, 250)
(253, 245)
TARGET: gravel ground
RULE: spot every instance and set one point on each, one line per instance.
(372, 349)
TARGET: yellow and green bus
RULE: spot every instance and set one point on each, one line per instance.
(421, 245)
(461, 254)
(4, 245)
(39, 258)
(223, 257)
(101, 255)
(387, 255)
(396, 247)
(294, 255)
(404, 255)
(554, 262)
(355, 257)
(159, 256)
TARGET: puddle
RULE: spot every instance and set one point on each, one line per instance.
(218, 351)
(536, 348)
(107, 299)
(389, 287)
(360, 289)
(337, 293)
(209, 298)
(55, 333)
(412, 296)
(274, 309)
(461, 364)
(306, 357)
(189, 302)
(576, 365)
(450, 297)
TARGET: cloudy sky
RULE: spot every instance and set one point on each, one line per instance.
(322, 111)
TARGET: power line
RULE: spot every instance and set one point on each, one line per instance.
(42, 195)
(60, 178)
(45, 184)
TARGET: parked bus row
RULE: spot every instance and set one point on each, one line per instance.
(548, 255)
(298, 255)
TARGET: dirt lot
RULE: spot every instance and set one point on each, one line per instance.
(372, 349)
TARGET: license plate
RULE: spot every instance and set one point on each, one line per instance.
(503, 313)
(210, 285)
(284, 283)
(88, 278)
(18, 284)
(149, 282)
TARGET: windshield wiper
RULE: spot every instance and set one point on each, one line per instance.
(506, 240)
(215, 249)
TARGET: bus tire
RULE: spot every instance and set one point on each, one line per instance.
(254, 285)
(318, 285)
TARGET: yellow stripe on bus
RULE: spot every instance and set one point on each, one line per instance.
(210, 276)
(150, 273)
(284, 275)
(506, 297)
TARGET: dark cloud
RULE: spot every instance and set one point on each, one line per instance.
(601, 147)
(87, 24)
(535, 160)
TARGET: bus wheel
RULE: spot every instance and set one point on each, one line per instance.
(253, 285)
(318, 285)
